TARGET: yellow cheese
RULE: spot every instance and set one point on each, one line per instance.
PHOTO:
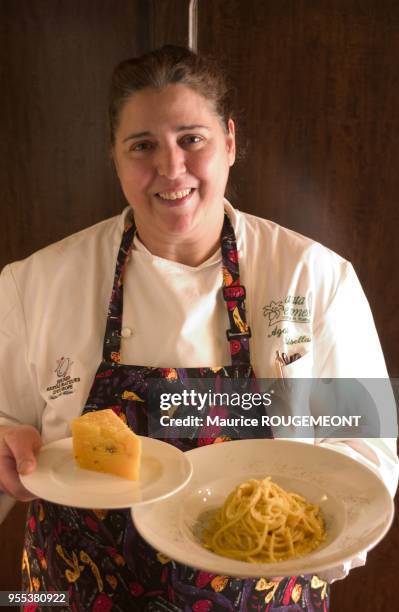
(104, 443)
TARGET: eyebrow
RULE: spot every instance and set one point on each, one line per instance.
(180, 128)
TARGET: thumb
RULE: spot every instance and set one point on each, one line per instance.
(23, 443)
(26, 465)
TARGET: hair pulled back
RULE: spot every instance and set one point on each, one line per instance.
(169, 65)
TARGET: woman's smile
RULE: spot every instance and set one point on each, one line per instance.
(175, 197)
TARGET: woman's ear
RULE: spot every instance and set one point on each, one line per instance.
(231, 141)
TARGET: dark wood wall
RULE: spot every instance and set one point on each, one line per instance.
(318, 98)
(56, 60)
(317, 94)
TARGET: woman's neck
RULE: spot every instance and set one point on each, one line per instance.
(188, 248)
(189, 253)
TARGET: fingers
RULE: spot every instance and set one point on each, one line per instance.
(18, 449)
(23, 443)
(10, 482)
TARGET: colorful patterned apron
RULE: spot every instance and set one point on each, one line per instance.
(97, 556)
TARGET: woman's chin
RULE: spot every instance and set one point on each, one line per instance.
(178, 217)
(180, 224)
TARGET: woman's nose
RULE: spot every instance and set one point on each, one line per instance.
(171, 162)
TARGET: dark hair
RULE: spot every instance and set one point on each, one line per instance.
(167, 66)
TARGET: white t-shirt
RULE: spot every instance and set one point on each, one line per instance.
(301, 297)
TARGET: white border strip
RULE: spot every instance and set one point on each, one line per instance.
(193, 25)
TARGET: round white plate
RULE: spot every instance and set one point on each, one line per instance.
(356, 505)
(57, 478)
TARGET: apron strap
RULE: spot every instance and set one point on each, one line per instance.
(233, 293)
(112, 337)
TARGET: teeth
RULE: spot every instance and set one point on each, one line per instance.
(174, 195)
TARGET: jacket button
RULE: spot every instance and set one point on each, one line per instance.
(126, 332)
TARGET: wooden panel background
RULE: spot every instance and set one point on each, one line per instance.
(317, 93)
(318, 96)
(56, 59)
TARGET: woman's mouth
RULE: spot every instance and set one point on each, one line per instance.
(174, 198)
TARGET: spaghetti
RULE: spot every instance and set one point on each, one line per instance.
(261, 523)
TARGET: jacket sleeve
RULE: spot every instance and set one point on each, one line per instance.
(20, 400)
(347, 346)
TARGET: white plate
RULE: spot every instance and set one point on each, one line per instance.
(57, 478)
(356, 505)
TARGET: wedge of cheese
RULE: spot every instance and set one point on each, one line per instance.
(104, 443)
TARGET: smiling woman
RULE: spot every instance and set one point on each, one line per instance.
(172, 137)
(172, 155)
(165, 285)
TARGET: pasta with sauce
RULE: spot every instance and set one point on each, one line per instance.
(262, 523)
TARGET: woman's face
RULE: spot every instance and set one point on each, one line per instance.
(172, 157)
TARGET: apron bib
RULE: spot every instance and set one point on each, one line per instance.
(97, 555)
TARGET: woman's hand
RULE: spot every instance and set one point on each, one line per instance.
(19, 446)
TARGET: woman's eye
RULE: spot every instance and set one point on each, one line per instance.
(141, 147)
(191, 140)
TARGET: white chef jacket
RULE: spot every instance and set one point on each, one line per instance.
(301, 297)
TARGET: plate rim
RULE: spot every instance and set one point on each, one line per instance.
(66, 444)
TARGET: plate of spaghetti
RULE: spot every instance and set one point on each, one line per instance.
(269, 508)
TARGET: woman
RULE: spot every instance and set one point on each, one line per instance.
(161, 261)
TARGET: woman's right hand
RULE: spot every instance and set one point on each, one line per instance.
(19, 446)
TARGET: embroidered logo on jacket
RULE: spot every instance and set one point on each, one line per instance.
(64, 384)
(292, 308)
